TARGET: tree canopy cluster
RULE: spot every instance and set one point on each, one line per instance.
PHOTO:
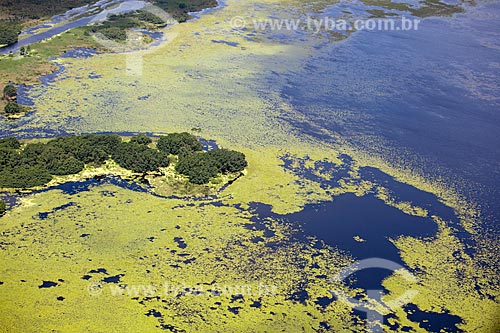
(35, 9)
(9, 32)
(10, 92)
(142, 139)
(3, 207)
(174, 143)
(35, 164)
(139, 158)
(180, 9)
(200, 167)
(197, 165)
(10, 95)
(116, 26)
(13, 108)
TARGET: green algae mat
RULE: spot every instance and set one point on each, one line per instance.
(108, 258)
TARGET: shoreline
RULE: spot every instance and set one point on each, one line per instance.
(52, 27)
(134, 182)
(56, 68)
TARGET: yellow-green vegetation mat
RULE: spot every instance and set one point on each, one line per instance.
(136, 239)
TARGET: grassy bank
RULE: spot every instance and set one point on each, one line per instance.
(28, 69)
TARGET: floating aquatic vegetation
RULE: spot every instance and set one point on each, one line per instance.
(216, 265)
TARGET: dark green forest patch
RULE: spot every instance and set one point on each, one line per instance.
(34, 164)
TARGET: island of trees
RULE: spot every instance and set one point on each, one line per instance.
(24, 166)
(12, 108)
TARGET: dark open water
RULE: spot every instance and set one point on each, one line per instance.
(431, 96)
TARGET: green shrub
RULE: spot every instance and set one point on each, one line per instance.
(114, 33)
(139, 158)
(13, 108)
(90, 149)
(24, 177)
(10, 91)
(150, 18)
(174, 142)
(3, 207)
(38, 162)
(228, 160)
(60, 163)
(9, 33)
(30, 155)
(92, 155)
(107, 142)
(10, 143)
(9, 158)
(141, 139)
(198, 167)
